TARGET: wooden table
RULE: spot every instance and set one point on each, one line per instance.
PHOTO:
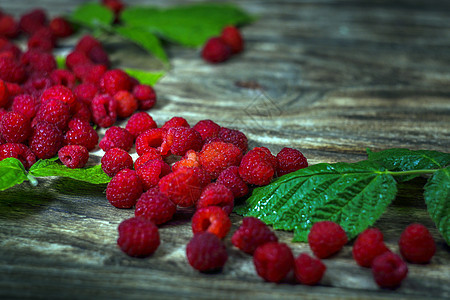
(328, 77)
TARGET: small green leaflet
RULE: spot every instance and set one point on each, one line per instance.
(437, 198)
(144, 77)
(352, 195)
(92, 15)
(60, 61)
(12, 172)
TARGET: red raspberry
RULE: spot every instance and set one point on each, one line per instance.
(176, 122)
(152, 154)
(126, 104)
(99, 56)
(216, 194)
(138, 237)
(33, 21)
(152, 138)
(81, 133)
(207, 129)
(145, 95)
(92, 73)
(203, 176)
(206, 252)
(42, 39)
(416, 244)
(85, 92)
(326, 238)
(13, 89)
(73, 156)
(182, 187)
(290, 160)
(15, 127)
(233, 38)
(258, 166)
(60, 27)
(8, 26)
(82, 111)
(63, 77)
(124, 189)
(38, 62)
(389, 270)
(234, 137)
(45, 140)
(151, 172)
(77, 58)
(37, 84)
(308, 270)
(178, 140)
(113, 81)
(115, 6)
(251, 234)
(86, 43)
(60, 93)
(212, 219)
(11, 70)
(273, 261)
(116, 160)
(19, 151)
(190, 160)
(367, 246)
(231, 179)
(155, 206)
(116, 137)
(104, 110)
(4, 96)
(216, 51)
(54, 112)
(217, 156)
(140, 122)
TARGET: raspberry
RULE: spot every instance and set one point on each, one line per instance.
(37, 84)
(416, 244)
(216, 194)
(203, 176)
(82, 111)
(217, 156)
(190, 160)
(8, 26)
(231, 179)
(19, 151)
(152, 138)
(76, 58)
(60, 93)
(11, 70)
(140, 122)
(113, 81)
(138, 237)
(234, 137)
(33, 21)
(273, 261)
(155, 206)
(216, 51)
(60, 27)
(308, 270)
(81, 133)
(176, 122)
(389, 270)
(326, 238)
(126, 104)
(182, 187)
(212, 219)
(73, 156)
(42, 39)
(178, 140)
(207, 129)
(4, 97)
(99, 56)
(258, 166)
(115, 6)
(206, 252)
(45, 140)
(233, 38)
(63, 77)
(116, 160)
(151, 172)
(116, 137)
(15, 127)
(54, 112)
(93, 73)
(145, 95)
(86, 43)
(367, 246)
(85, 92)
(251, 234)
(152, 154)
(124, 189)
(290, 160)
(104, 110)
(13, 89)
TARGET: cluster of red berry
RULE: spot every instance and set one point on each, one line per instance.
(220, 49)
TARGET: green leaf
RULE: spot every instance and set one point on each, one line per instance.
(399, 159)
(437, 198)
(12, 172)
(61, 61)
(145, 39)
(352, 195)
(49, 167)
(144, 77)
(92, 15)
(189, 25)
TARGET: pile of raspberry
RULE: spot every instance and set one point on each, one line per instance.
(45, 111)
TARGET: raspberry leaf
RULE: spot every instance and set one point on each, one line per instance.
(12, 172)
(352, 195)
(144, 77)
(398, 159)
(437, 199)
(92, 15)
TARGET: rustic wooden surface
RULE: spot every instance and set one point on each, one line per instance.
(328, 77)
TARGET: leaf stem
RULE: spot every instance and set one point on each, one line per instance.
(32, 179)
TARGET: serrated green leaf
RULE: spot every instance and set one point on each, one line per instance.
(92, 15)
(145, 39)
(12, 172)
(399, 159)
(437, 198)
(50, 167)
(352, 195)
(189, 25)
(144, 77)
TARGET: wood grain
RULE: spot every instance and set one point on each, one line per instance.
(328, 77)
